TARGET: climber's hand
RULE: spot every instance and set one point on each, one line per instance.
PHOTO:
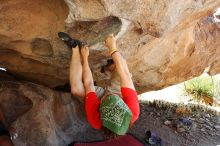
(110, 43)
(85, 51)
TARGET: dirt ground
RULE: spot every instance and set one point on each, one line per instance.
(205, 129)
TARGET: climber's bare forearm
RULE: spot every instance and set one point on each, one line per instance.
(87, 76)
(123, 71)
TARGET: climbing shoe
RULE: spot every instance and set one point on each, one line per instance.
(72, 43)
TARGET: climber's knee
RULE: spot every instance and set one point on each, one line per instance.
(77, 92)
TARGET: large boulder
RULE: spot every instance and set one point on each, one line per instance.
(43, 117)
(165, 42)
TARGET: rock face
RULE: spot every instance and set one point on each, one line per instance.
(49, 118)
(185, 52)
(165, 41)
(28, 36)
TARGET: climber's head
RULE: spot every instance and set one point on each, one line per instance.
(115, 114)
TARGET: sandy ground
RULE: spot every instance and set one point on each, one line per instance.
(206, 119)
(205, 129)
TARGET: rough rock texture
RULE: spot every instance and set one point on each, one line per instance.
(185, 52)
(51, 118)
(28, 36)
(165, 41)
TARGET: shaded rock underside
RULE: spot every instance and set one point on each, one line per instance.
(165, 42)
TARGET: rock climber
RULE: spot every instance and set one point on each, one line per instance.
(115, 111)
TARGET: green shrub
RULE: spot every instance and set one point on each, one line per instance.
(202, 88)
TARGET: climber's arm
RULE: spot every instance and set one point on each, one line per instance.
(123, 71)
(120, 62)
(128, 91)
(131, 99)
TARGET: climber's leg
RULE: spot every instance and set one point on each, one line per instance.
(76, 82)
(87, 74)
